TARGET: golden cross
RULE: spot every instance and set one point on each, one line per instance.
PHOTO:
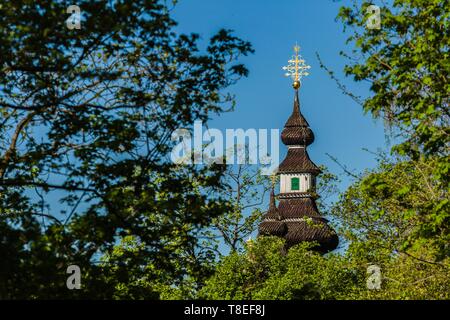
(297, 62)
(296, 69)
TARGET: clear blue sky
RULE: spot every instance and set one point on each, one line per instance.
(264, 99)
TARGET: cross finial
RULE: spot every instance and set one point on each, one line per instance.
(296, 68)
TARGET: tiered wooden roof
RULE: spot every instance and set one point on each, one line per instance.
(297, 218)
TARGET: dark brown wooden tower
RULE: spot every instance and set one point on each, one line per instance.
(296, 218)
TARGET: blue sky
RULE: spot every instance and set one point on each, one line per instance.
(265, 98)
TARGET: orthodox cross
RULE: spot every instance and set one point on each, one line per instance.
(296, 68)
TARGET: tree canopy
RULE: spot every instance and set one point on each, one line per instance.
(406, 61)
(87, 116)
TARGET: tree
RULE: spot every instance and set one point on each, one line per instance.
(87, 116)
(406, 62)
(247, 190)
(381, 215)
(263, 272)
(388, 206)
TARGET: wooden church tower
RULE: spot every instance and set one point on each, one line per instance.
(296, 218)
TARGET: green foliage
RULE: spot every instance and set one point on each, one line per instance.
(399, 206)
(86, 120)
(390, 218)
(403, 277)
(131, 276)
(396, 216)
(263, 271)
(325, 189)
(246, 189)
(407, 62)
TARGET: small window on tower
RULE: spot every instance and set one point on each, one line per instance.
(295, 184)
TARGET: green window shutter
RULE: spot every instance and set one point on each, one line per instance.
(295, 184)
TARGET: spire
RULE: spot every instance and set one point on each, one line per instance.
(296, 130)
(272, 204)
(296, 119)
(273, 212)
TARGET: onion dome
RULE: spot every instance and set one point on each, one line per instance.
(273, 228)
(297, 160)
(298, 208)
(312, 229)
(305, 223)
(272, 224)
(296, 130)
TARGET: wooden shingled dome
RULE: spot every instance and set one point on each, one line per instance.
(297, 218)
